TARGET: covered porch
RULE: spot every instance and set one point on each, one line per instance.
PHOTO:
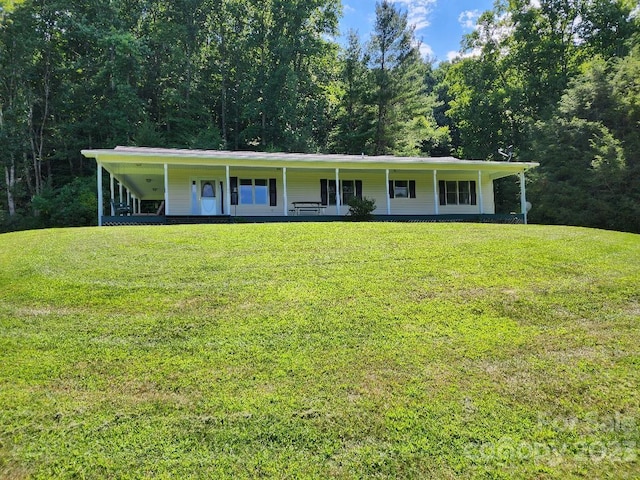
(159, 186)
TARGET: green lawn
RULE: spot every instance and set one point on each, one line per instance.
(320, 350)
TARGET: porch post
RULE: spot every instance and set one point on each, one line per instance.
(227, 187)
(338, 199)
(113, 193)
(436, 195)
(386, 189)
(120, 195)
(284, 186)
(166, 189)
(128, 197)
(523, 197)
(480, 199)
(100, 199)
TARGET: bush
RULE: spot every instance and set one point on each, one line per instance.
(73, 205)
(361, 209)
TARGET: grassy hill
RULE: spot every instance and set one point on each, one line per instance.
(320, 350)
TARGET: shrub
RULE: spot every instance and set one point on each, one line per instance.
(361, 209)
(74, 204)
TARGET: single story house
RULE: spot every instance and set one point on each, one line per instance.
(200, 185)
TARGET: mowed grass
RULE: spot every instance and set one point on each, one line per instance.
(338, 350)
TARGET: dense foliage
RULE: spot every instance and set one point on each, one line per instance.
(557, 79)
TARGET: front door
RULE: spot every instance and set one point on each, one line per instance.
(205, 197)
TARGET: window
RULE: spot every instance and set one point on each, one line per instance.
(332, 192)
(350, 189)
(402, 189)
(208, 190)
(248, 191)
(261, 192)
(457, 192)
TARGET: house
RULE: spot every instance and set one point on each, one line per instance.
(201, 185)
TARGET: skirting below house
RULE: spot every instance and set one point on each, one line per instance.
(222, 219)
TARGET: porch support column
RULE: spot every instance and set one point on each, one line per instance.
(100, 199)
(436, 195)
(112, 189)
(338, 199)
(227, 193)
(286, 196)
(128, 197)
(480, 199)
(386, 189)
(523, 197)
(166, 189)
(120, 195)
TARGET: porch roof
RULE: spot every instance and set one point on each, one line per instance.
(144, 155)
(141, 169)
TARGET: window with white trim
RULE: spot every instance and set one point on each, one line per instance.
(457, 192)
(350, 189)
(257, 191)
(402, 189)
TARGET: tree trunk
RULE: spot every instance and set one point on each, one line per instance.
(10, 178)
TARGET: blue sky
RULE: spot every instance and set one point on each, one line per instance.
(440, 24)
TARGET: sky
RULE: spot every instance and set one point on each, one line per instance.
(440, 24)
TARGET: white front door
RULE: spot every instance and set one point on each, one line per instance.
(205, 197)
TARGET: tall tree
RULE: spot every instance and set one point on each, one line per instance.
(353, 130)
(402, 107)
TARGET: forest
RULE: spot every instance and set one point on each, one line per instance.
(551, 81)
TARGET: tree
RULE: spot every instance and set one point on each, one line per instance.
(353, 131)
(403, 109)
(584, 177)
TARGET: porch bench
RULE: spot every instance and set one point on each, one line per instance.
(314, 210)
(121, 208)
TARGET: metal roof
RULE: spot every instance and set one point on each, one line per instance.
(129, 154)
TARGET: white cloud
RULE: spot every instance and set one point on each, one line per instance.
(454, 55)
(348, 8)
(419, 11)
(469, 19)
(426, 51)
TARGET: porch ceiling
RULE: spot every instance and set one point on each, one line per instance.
(146, 181)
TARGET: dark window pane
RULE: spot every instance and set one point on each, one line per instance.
(401, 189)
(464, 193)
(452, 193)
(332, 192)
(348, 191)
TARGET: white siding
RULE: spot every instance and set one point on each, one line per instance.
(304, 185)
(241, 210)
(180, 179)
(487, 195)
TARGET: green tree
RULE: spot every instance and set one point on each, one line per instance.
(403, 109)
(353, 132)
(585, 177)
